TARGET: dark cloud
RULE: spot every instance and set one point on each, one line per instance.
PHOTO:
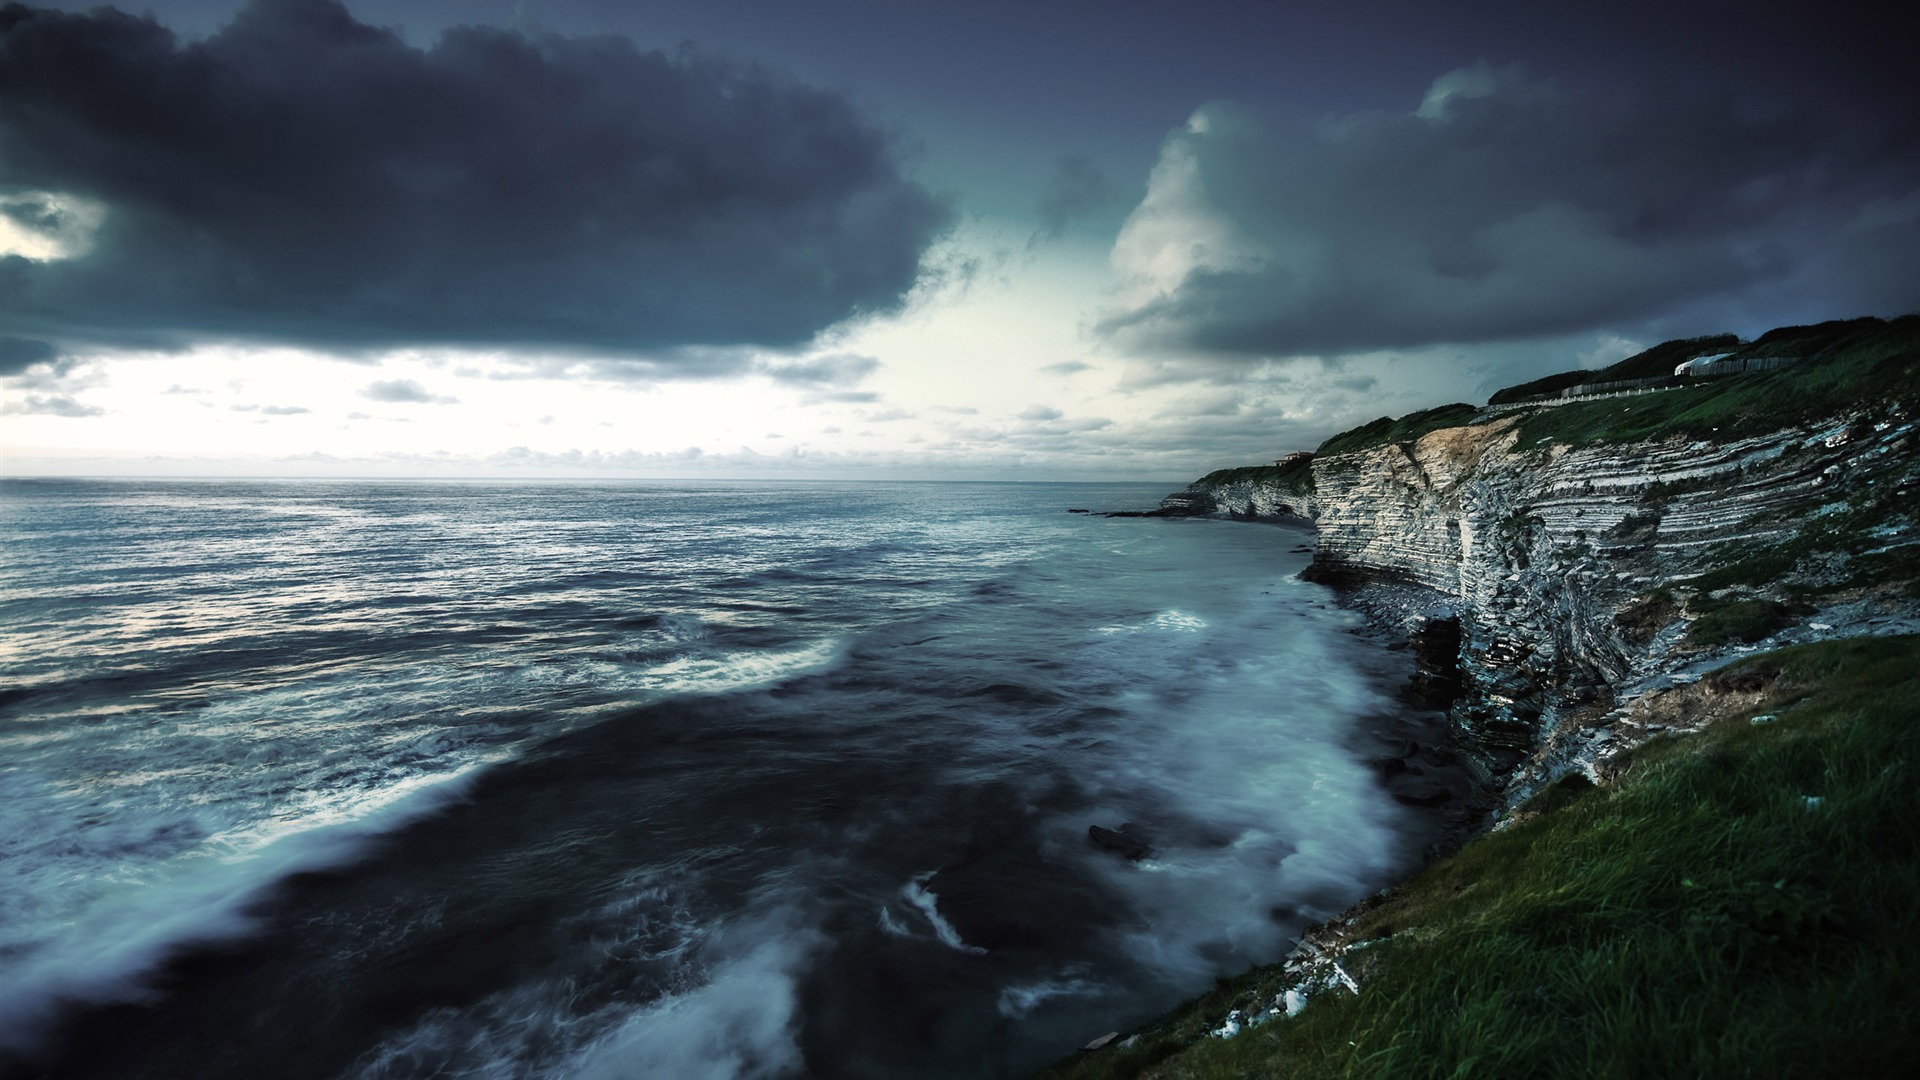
(19, 354)
(1505, 208)
(1040, 413)
(836, 369)
(300, 176)
(402, 392)
(1077, 188)
(1067, 367)
(50, 405)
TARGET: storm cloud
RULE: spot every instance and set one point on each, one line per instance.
(19, 354)
(1502, 208)
(303, 177)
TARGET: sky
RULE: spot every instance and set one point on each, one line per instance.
(914, 239)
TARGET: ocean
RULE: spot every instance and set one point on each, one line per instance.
(650, 779)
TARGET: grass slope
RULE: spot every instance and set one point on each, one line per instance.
(1876, 367)
(1294, 476)
(1843, 365)
(1741, 902)
(1659, 361)
(1655, 363)
(1800, 342)
(1407, 429)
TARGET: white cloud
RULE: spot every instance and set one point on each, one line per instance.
(47, 226)
(404, 391)
(50, 405)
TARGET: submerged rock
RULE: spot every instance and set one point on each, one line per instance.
(1125, 841)
(1417, 792)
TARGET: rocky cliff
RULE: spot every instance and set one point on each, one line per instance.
(1257, 492)
(1582, 570)
(1578, 573)
(1575, 574)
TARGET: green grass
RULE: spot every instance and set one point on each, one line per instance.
(1659, 361)
(1845, 365)
(1295, 476)
(1549, 386)
(1871, 367)
(1809, 341)
(1655, 363)
(1746, 621)
(1404, 430)
(1700, 917)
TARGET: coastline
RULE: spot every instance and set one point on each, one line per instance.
(1801, 764)
(1583, 586)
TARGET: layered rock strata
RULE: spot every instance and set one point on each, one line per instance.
(1575, 571)
(1259, 493)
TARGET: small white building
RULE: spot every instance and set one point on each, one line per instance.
(1689, 367)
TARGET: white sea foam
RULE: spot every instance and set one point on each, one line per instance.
(694, 671)
(104, 954)
(922, 898)
(727, 1008)
(1018, 1000)
(737, 1025)
(736, 671)
(1234, 752)
(891, 925)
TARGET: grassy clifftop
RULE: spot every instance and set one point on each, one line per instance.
(1736, 902)
(1871, 368)
(1842, 366)
(1406, 429)
(1296, 475)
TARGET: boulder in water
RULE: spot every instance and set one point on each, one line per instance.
(1124, 841)
(1413, 792)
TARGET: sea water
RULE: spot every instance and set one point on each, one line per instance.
(382, 779)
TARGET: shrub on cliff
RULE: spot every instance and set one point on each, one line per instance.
(1747, 621)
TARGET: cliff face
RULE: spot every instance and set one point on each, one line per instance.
(1576, 572)
(1270, 492)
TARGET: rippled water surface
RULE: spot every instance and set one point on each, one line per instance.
(404, 780)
